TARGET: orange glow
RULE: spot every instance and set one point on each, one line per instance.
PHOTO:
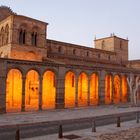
(108, 89)
(124, 89)
(69, 90)
(116, 89)
(32, 90)
(13, 90)
(82, 90)
(94, 89)
(49, 89)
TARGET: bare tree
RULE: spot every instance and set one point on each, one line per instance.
(134, 84)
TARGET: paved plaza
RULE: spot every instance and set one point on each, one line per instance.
(10, 119)
(101, 134)
(51, 116)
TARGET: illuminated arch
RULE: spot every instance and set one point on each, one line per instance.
(32, 90)
(116, 89)
(13, 90)
(49, 90)
(70, 90)
(108, 89)
(94, 89)
(82, 89)
(124, 89)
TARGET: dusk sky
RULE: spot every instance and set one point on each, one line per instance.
(79, 21)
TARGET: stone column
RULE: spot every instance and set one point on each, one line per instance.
(101, 87)
(2, 94)
(40, 93)
(60, 88)
(88, 91)
(76, 90)
(23, 93)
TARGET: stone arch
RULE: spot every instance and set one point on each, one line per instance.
(108, 88)
(13, 90)
(32, 85)
(15, 67)
(33, 68)
(48, 90)
(94, 81)
(50, 69)
(70, 89)
(117, 88)
(82, 89)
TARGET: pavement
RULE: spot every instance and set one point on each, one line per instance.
(51, 116)
(24, 118)
(87, 134)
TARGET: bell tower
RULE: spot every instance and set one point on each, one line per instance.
(22, 37)
(114, 44)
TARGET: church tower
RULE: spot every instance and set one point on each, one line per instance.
(21, 37)
(114, 44)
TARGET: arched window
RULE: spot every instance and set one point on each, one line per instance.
(99, 56)
(59, 49)
(74, 51)
(6, 34)
(2, 36)
(34, 39)
(0, 39)
(22, 36)
(109, 57)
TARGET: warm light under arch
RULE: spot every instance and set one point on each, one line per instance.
(124, 89)
(70, 90)
(82, 90)
(14, 90)
(94, 89)
(117, 89)
(32, 91)
(108, 89)
(48, 90)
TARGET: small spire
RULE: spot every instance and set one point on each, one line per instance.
(95, 37)
(127, 37)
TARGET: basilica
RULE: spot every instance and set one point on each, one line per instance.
(37, 73)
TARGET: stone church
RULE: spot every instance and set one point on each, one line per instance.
(37, 73)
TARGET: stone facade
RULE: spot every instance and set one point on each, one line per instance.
(24, 46)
